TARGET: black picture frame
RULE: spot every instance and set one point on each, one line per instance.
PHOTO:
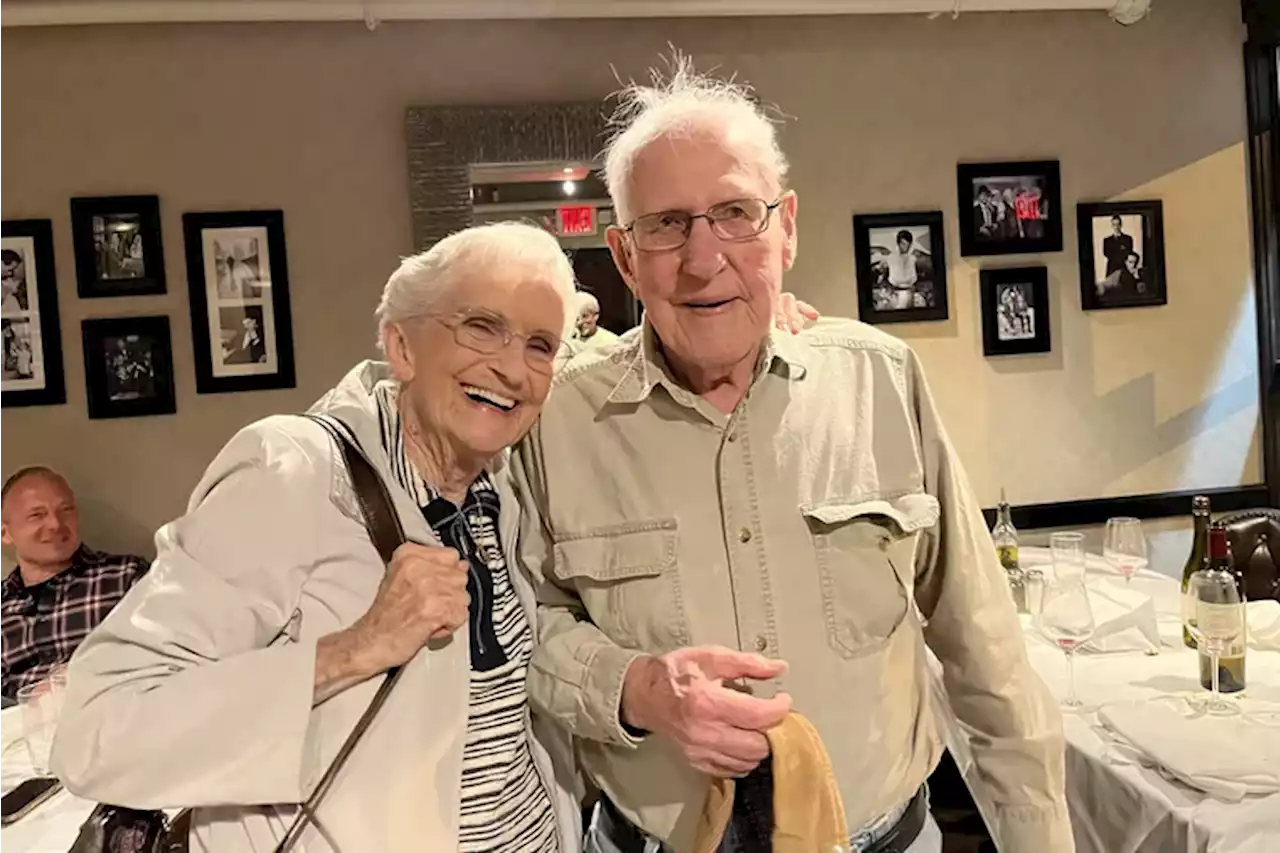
(1118, 286)
(875, 296)
(1032, 283)
(985, 233)
(128, 367)
(234, 307)
(31, 375)
(109, 267)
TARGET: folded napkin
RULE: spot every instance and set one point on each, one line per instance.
(808, 814)
(1125, 620)
(1264, 625)
(1226, 757)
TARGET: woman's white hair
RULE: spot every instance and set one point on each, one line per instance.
(423, 280)
(587, 301)
(683, 102)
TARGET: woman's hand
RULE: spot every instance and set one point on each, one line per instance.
(423, 595)
(794, 315)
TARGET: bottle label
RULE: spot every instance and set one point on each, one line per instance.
(1219, 622)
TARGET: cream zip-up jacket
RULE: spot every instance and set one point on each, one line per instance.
(197, 689)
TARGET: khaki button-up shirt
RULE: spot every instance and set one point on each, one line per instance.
(827, 522)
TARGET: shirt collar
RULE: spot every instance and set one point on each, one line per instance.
(83, 557)
(386, 394)
(647, 367)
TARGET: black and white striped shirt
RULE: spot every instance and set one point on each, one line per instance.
(506, 805)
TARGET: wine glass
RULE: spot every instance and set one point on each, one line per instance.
(1124, 547)
(1067, 551)
(1219, 622)
(1066, 620)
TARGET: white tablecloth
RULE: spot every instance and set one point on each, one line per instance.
(53, 826)
(1119, 806)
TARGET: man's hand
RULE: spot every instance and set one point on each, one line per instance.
(423, 595)
(794, 315)
(681, 695)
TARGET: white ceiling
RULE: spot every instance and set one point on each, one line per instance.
(53, 12)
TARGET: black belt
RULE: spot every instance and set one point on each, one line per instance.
(629, 838)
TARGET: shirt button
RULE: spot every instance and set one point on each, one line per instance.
(762, 643)
(733, 436)
(744, 535)
(884, 542)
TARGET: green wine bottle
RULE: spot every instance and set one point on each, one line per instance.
(1195, 562)
(1231, 673)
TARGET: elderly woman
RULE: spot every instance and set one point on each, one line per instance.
(231, 676)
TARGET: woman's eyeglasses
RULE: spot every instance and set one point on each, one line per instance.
(489, 334)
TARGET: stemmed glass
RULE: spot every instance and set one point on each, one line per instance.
(1067, 552)
(1219, 622)
(1066, 620)
(1124, 547)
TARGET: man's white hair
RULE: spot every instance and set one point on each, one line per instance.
(423, 280)
(682, 102)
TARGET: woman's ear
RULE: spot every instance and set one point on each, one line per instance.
(399, 350)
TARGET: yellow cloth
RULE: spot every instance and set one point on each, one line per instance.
(808, 816)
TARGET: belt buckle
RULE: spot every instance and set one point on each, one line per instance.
(871, 833)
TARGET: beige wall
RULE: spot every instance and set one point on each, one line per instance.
(308, 118)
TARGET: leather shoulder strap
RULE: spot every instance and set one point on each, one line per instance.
(379, 513)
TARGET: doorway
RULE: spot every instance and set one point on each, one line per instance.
(596, 274)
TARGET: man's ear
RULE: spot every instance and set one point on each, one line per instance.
(5, 538)
(620, 248)
(399, 350)
(788, 206)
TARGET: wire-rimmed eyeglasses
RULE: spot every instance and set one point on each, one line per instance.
(733, 221)
(488, 333)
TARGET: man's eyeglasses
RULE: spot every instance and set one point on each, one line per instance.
(733, 221)
(489, 334)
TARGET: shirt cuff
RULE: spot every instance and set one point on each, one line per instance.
(606, 674)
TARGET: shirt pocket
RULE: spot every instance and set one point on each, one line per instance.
(628, 577)
(865, 554)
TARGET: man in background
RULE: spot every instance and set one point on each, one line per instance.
(60, 590)
(588, 331)
(1116, 247)
(902, 273)
(13, 279)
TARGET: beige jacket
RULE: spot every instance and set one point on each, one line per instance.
(197, 689)
(826, 522)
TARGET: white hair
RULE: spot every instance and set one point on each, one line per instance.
(587, 301)
(423, 280)
(683, 102)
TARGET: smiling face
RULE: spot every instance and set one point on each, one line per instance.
(711, 300)
(465, 385)
(39, 520)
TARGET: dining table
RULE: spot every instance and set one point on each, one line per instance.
(1121, 800)
(52, 826)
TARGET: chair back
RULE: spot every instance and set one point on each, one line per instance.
(1254, 535)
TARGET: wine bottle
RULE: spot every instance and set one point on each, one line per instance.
(1231, 661)
(1005, 537)
(1195, 562)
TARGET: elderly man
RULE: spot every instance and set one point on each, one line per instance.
(587, 331)
(728, 524)
(60, 590)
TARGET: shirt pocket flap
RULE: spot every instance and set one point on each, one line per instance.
(908, 512)
(646, 549)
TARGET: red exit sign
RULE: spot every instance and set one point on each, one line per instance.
(576, 219)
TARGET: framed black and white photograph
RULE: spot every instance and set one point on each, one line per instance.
(1015, 310)
(1009, 208)
(1121, 254)
(901, 264)
(32, 346)
(238, 275)
(128, 367)
(119, 251)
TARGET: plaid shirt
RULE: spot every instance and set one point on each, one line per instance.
(44, 624)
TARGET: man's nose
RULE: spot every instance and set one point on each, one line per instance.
(703, 251)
